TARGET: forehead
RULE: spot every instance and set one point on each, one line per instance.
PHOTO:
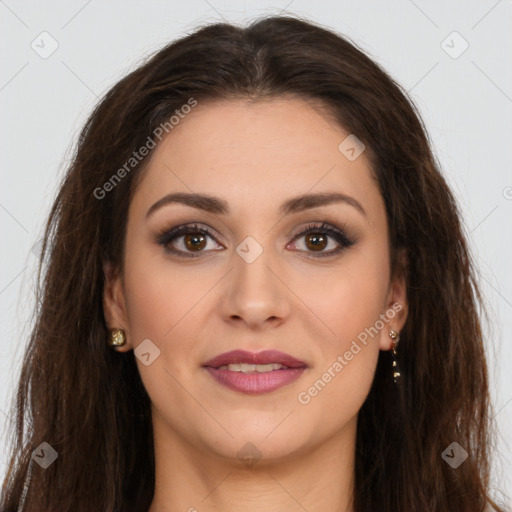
(256, 154)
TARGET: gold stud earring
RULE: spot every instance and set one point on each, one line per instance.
(117, 338)
(396, 370)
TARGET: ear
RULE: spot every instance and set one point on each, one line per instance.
(397, 306)
(114, 308)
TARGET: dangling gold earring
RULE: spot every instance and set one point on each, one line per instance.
(117, 338)
(396, 370)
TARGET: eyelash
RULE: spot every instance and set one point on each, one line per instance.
(165, 237)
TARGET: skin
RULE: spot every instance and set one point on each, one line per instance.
(255, 156)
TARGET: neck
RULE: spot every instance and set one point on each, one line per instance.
(315, 478)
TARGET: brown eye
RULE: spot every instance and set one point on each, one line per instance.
(195, 241)
(188, 241)
(316, 241)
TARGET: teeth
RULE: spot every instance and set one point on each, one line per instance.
(251, 368)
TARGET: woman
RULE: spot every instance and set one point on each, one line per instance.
(256, 294)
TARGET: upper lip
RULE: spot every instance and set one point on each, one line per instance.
(264, 357)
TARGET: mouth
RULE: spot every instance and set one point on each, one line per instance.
(258, 359)
(255, 373)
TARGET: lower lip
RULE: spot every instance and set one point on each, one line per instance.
(255, 383)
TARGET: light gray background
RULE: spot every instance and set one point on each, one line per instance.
(466, 103)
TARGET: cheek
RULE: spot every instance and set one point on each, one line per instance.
(353, 309)
(355, 295)
(160, 303)
(338, 385)
(168, 306)
(158, 295)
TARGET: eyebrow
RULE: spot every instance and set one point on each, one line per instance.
(216, 205)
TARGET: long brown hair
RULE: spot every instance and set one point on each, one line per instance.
(88, 402)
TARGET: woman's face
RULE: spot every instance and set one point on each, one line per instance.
(255, 283)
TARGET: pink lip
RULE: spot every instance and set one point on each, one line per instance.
(264, 357)
(255, 383)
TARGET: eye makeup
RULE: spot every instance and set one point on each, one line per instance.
(318, 232)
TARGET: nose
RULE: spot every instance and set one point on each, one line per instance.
(255, 294)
